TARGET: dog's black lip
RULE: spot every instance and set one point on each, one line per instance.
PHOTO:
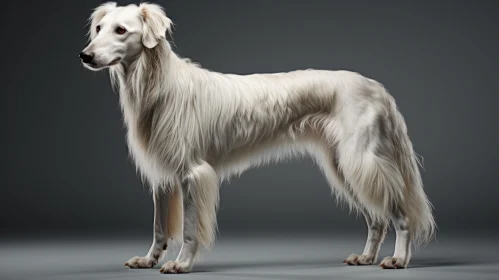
(91, 63)
(115, 61)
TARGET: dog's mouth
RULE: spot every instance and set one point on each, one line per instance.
(114, 61)
(96, 66)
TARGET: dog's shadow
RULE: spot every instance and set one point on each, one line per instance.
(305, 263)
(322, 263)
(447, 262)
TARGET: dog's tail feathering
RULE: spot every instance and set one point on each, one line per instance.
(416, 205)
(385, 176)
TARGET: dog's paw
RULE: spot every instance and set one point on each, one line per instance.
(392, 263)
(355, 259)
(141, 262)
(175, 267)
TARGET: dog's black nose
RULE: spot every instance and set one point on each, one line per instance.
(86, 57)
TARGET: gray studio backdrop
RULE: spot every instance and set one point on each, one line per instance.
(65, 166)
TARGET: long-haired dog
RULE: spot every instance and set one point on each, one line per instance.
(189, 128)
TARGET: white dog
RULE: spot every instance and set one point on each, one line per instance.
(189, 128)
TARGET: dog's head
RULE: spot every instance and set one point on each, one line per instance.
(119, 34)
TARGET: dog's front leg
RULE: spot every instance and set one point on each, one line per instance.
(185, 259)
(159, 244)
(200, 193)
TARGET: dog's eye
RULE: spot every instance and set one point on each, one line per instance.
(120, 30)
(97, 28)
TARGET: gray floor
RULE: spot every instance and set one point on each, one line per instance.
(300, 257)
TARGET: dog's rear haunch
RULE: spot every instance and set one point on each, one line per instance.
(189, 128)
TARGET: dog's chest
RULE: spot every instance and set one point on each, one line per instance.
(137, 144)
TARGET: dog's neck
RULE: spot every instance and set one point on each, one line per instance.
(155, 86)
(143, 76)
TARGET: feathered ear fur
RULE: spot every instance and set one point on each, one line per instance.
(156, 24)
(97, 15)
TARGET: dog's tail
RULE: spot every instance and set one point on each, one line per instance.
(416, 205)
(385, 176)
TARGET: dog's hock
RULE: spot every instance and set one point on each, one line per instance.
(156, 24)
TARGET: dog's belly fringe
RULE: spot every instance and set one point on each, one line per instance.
(277, 149)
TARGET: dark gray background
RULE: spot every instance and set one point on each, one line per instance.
(66, 167)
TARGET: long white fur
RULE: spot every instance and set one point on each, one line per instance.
(182, 119)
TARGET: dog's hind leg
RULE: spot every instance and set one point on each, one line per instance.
(379, 185)
(163, 212)
(376, 228)
(200, 189)
(375, 236)
(402, 254)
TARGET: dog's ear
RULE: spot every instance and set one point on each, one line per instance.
(97, 15)
(156, 24)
